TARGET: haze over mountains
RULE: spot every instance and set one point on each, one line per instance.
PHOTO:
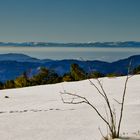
(13, 65)
(89, 44)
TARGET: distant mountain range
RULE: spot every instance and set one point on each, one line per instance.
(13, 65)
(90, 44)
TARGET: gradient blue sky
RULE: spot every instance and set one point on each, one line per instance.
(69, 20)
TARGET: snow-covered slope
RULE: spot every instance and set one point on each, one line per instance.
(37, 113)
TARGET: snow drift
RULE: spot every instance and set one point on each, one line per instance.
(37, 113)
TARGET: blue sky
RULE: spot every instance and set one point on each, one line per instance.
(69, 20)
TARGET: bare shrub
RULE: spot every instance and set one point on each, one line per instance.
(110, 119)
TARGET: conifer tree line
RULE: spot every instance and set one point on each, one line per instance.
(47, 76)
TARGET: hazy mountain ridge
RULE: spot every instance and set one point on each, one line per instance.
(90, 44)
(13, 65)
(20, 58)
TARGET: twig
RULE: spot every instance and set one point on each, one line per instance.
(84, 100)
(123, 98)
(102, 133)
(116, 101)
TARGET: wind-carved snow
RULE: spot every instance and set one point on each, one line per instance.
(37, 113)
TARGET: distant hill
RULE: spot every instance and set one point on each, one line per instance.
(17, 57)
(120, 66)
(20, 58)
(13, 65)
(11, 69)
(90, 44)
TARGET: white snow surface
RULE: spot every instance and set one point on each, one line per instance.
(38, 113)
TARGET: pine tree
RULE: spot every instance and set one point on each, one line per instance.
(77, 72)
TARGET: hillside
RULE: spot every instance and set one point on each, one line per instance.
(17, 57)
(13, 65)
(37, 113)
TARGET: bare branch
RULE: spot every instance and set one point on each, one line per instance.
(108, 104)
(96, 88)
(104, 95)
(102, 134)
(74, 95)
(72, 102)
(84, 100)
(123, 98)
(117, 101)
(107, 120)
